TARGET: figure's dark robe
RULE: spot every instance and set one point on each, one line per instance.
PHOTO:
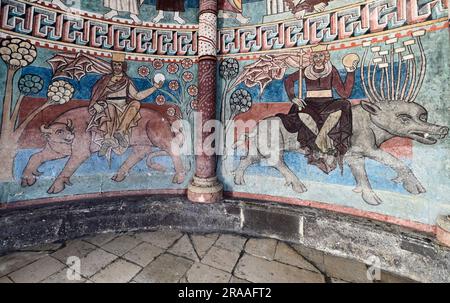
(170, 5)
(319, 109)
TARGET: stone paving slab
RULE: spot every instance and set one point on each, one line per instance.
(121, 245)
(5, 280)
(287, 255)
(170, 256)
(263, 248)
(313, 256)
(37, 271)
(221, 258)
(101, 239)
(166, 268)
(183, 247)
(95, 261)
(237, 280)
(61, 277)
(75, 248)
(259, 270)
(12, 262)
(202, 273)
(231, 242)
(203, 243)
(143, 254)
(387, 277)
(120, 271)
(345, 269)
(163, 239)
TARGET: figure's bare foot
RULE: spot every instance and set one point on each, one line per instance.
(224, 15)
(178, 19)
(320, 7)
(135, 18)
(242, 19)
(111, 14)
(159, 17)
(61, 5)
(300, 15)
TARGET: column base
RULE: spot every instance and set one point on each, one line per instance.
(443, 230)
(203, 190)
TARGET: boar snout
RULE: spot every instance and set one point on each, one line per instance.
(443, 132)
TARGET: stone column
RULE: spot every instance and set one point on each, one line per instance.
(204, 187)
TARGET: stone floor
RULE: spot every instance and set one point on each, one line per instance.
(170, 256)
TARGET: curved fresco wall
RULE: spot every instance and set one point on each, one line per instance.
(91, 90)
(365, 131)
(339, 105)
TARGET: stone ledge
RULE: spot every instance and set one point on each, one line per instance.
(401, 251)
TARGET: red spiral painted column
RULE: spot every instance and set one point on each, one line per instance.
(204, 187)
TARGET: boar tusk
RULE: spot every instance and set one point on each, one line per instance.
(69, 123)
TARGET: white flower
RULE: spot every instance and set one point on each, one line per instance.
(17, 52)
(60, 92)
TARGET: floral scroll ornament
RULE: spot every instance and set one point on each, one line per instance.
(172, 68)
(179, 89)
(160, 100)
(143, 71)
(188, 76)
(174, 85)
(158, 64)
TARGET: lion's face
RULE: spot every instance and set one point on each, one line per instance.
(59, 132)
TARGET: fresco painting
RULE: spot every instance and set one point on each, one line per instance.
(358, 115)
(73, 119)
(92, 92)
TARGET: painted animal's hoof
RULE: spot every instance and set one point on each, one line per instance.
(178, 178)
(358, 189)
(59, 185)
(119, 177)
(370, 197)
(413, 186)
(239, 179)
(28, 180)
(299, 187)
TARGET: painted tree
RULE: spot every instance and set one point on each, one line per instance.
(17, 54)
